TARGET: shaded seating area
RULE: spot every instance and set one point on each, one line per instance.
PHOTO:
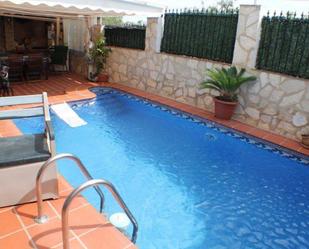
(16, 68)
(22, 156)
(36, 67)
(26, 67)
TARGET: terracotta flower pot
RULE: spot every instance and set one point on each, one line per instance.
(224, 109)
(305, 140)
(103, 77)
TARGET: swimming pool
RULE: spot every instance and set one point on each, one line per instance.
(189, 183)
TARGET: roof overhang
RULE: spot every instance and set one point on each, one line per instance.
(77, 8)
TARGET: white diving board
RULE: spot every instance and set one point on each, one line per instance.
(68, 115)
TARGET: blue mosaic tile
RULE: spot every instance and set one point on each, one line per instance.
(210, 124)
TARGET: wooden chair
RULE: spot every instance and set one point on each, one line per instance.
(16, 65)
(33, 67)
(21, 157)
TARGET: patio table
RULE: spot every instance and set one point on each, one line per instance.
(24, 67)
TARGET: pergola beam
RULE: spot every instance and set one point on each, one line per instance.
(47, 19)
(57, 30)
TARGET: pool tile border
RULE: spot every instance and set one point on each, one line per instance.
(249, 138)
(73, 87)
(266, 136)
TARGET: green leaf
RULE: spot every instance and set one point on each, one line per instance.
(226, 81)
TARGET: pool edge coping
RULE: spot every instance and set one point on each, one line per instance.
(220, 123)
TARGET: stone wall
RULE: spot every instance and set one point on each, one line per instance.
(274, 102)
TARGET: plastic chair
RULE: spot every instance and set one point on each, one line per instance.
(59, 55)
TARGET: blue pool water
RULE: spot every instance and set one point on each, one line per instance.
(189, 183)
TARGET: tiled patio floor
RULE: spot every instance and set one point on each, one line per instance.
(89, 229)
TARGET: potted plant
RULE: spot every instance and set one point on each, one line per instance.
(98, 54)
(305, 140)
(226, 82)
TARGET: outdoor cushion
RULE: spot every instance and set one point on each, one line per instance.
(23, 150)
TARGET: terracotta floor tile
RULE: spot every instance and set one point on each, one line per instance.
(17, 240)
(28, 212)
(274, 138)
(8, 222)
(303, 150)
(234, 123)
(63, 185)
(227, 123)
(8, 128)
(85, 218)
(243, 127)
(47, 235)
(74, 244)
(4, 209)
(258, 133)
(106, 237)
(58, 203)
(291, 144)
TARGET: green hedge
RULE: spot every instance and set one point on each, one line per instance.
(203, 34)
(284, 45)
(126, 36)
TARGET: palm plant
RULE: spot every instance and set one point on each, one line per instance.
(226, 82)
(98, 55)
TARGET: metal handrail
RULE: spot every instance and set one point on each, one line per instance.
(75, 192)
(41, 218)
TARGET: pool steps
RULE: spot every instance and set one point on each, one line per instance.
(68, 115)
